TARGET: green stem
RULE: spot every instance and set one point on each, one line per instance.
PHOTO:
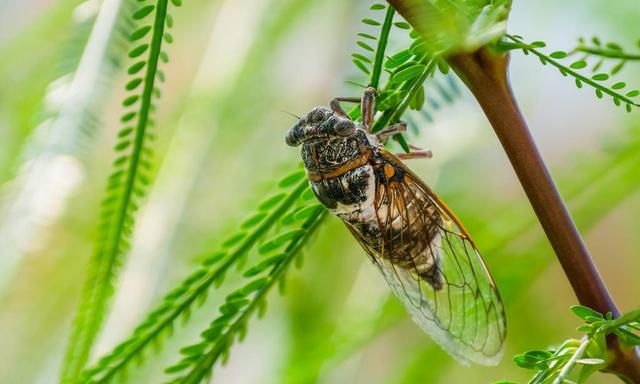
(608, 53)
(623, 320)
(566, 369)
(382, 47)
(393, 115)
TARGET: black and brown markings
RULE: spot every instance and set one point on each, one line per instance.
(421, 248)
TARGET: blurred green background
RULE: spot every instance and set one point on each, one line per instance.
(236, 65)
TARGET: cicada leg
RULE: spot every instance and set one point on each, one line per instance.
(416, 153)
(367, 106)
(335, 104)
(391, 130)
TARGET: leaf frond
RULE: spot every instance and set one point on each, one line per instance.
(596, 81)
(241, 304)
(193, 290)
(125, 187)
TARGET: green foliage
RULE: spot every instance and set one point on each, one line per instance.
(407, 71)
(198, 359)
(588, 353)
(295, 226)
(596, 81)
(127, 184)
(283, 223)
(458, 25)
(194, 289)
(595, 48)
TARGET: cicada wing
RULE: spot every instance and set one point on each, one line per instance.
(434, 268)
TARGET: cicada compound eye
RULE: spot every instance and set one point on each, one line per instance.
(345, 128)
(294, 136)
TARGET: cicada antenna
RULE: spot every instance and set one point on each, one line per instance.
(294, 115)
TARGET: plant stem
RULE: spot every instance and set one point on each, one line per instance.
(382, 46)
(485, 74)
(608, 53)
(566, 370)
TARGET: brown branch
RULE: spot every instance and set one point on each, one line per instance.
(485, 74)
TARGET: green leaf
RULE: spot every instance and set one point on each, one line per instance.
(365, 46)
(143, 12)
(408, 74)
(585, 312)
(272, 201)
(140, 33)
(377, 7)
(559, 55)
(417, 102)
(133, 84)
(253, 220)
(371, 22)
(255, 285)
(234, 239)
(362, 58)
(600, 77)
(177, 367)
(367, 36)
(135, 68)
(139, 50)
(130, 100)
(398, 59)
(578, 64)
(619, 85)
(260, 267)
(361, 66)
(291, 179)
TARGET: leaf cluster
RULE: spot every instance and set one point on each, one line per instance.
(406, 70)
(193, 290)
(589, 353)
(576, 68)
(277, 254)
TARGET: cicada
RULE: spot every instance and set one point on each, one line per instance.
(423, 251)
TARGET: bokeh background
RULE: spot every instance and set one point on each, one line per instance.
(236, 65)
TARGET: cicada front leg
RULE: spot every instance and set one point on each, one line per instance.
(367, 106)
(391, 130)
(416, 153)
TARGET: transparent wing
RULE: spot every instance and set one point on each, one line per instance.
(433, 267)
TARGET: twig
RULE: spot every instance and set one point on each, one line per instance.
(485, 74)
(566, 370)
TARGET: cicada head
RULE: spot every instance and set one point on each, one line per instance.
(320, 123)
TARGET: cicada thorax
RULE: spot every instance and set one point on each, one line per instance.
(339, 171)
(351, 179)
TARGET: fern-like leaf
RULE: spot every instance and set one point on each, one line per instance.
(178, 302)
(596, 81)
(126, 185)
(241, 304)
(604, 52)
